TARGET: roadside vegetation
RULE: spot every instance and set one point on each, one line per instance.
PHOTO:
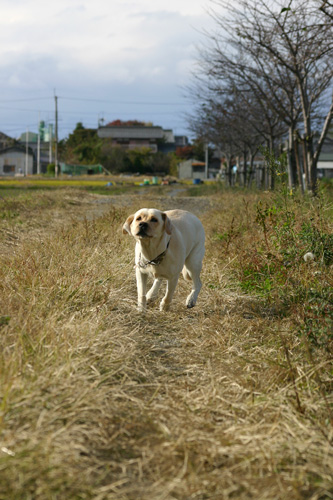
(264, 78)
(84, 147)
(232, 399)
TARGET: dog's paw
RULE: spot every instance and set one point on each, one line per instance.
(190, 304)
(151, 300)
(190, 301)
(164, 306)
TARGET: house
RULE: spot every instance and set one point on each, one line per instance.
(44, 145)
(168, 143)
(16, 160)
(181, 141)
(192, 169)
(325, 161)
(139, 136)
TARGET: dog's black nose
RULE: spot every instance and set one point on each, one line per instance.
(143, 224)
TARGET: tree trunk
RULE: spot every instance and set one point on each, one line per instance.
(229, 171)
(291, 161)
(259, 171)
(272, 173)
(311, 164)
(306, 170)
(313, 176)
(251, 172)
(244, 168)
(237, 174)
(298, 165)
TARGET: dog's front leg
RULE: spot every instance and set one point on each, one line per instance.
(153, 292)
(141, 283)
(171, 287)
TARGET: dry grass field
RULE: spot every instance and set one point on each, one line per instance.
(229, 400)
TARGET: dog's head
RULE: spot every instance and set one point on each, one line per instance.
(147, 223)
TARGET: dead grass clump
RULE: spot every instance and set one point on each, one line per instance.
(101, 402)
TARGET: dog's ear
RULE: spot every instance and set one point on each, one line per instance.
(167, 223)
(127, 225)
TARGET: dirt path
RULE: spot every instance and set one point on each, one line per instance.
(21, 219)
(106, 403)
(197, 205)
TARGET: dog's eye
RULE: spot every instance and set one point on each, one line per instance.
(153, 219)
(138, 218)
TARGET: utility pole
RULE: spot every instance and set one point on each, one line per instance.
(56, 137)
(206, 161)
(26, 152)
(38, 146)
(50, 142)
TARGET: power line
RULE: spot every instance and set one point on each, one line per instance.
(87, 99)
(21, 110)
(145, 103)
(27, 99)
(79, 112)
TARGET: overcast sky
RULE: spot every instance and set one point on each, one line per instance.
(104, 59)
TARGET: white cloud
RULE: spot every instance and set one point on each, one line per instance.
(99, 35)
(82, 46)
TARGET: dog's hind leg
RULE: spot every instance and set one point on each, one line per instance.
(153, 292)
(192, 270)
(171, 287)
(191, 299)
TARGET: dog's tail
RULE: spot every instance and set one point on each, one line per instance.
(186, 274)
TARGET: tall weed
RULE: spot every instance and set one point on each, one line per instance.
(269, 240)
(278, 270)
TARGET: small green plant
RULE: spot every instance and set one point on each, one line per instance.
(50, 169)
(277, 165)
(8, 214)
(4, 320)
(262, 275)
(318, 242)
(317, 326)
(289, 227)
(205, 189)
(228, 236)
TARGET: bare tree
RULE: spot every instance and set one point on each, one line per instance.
(281, 53)
(293, 38)
(327, 8)
(220, 120)
(210, 124)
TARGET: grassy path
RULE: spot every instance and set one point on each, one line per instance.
(102, 402)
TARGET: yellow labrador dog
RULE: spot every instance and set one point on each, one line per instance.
(167, 243)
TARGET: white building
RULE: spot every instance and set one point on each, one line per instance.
(16, 160)
(191, 169)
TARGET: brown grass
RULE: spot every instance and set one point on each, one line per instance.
(101, 402)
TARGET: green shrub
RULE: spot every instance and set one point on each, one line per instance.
(319, 243)
(317, 324)
(275, 269)
(50, 169)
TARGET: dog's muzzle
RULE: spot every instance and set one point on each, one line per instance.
(143, 226)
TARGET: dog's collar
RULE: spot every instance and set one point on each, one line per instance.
(154, 262)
